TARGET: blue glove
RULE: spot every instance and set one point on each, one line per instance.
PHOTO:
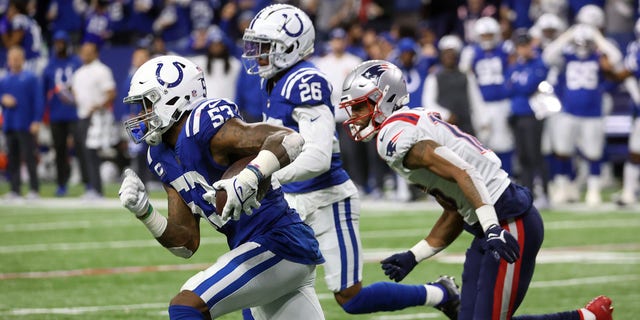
(502, 244)
(399, 265)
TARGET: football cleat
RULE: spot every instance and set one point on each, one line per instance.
(451, 306)
(601, 307)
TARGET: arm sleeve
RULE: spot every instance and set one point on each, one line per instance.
(317, 126)
(552, 54)
(466, 57)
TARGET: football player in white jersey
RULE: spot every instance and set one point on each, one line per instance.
(298, 96)
(467, 180)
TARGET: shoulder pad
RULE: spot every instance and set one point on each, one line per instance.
(307, 86)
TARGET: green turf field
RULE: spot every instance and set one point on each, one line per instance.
(79, 260)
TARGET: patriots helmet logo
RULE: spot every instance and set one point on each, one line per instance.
(391, 146)
(375, 72)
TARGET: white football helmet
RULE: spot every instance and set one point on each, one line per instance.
(548, 27)
(378, 85)
(450, 42)
(583, 40)
(487, 26)
(164, 87)
(281, 33)
(591, 15)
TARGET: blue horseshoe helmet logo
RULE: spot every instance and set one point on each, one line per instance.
(178, 66)
(289, 33)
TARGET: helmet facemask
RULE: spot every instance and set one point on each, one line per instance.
(255, 49)
(148, 125)
(279, 33)
(367, 107)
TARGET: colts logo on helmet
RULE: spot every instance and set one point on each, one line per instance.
(375, 72)
(178, 66)
(284, 26)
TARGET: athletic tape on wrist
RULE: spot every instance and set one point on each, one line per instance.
(265, 163)
(155, 222)
(422, 250)
(487, 216)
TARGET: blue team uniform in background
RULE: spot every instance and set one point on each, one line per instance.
(490, 67)
(581, 91)
(30, 106)
(274, 225)
(56, 77)
(302, 86)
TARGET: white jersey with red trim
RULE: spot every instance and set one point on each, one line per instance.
(405, 127)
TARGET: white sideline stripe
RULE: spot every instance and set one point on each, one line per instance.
(89, 309)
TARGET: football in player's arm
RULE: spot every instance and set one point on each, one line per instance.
(467, 180)
(193, 140)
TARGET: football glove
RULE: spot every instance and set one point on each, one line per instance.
(242, 192)
(133, 194)
(502, 244)
(399, 265)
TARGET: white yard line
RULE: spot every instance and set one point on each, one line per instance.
(378, 207)
(163, 305)
(71, 246)
(556, 255)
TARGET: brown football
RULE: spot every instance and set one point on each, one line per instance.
(234, 169)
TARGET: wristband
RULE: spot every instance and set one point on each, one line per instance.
(154, 221)
(422, 250)
(487, 216)
(265, 163)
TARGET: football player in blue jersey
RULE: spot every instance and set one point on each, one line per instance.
(193, 140)
(476, 195)
(487, 60)
(298, 96)
(585, 58)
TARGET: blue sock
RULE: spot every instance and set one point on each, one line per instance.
(177, 312)
(565, 167)
(594, 168)
(386, 296)
(552, 163)
(246, 314)
(567, 315)
(505, 157)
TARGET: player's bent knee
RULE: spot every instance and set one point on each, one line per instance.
(190, 299)
(345, 295)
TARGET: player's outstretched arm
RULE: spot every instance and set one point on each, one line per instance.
(446, 229)
(448, 165)
(275, 147)
(180, 234)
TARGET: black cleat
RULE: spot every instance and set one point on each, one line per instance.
(451, 306)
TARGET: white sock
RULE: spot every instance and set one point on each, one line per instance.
(587, 315)
(630, 175)
(435, 295)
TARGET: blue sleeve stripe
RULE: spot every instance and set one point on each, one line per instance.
(293, 79)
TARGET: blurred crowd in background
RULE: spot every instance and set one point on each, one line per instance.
(66, 66)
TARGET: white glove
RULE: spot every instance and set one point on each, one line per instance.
(133, 194)
(242, 192)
